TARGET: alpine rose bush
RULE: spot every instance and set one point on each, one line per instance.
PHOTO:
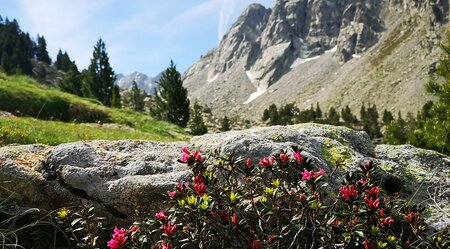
(278, 203)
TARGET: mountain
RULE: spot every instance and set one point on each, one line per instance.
(144, 82)
(335, 53)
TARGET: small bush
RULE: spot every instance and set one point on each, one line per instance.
(279, 202)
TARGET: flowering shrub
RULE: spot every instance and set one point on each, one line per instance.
(278, 203)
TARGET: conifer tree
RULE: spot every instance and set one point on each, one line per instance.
(196, 123)
(318, 112)
(137, 98)
(100, 77)
(387, 117)
(333, 116)
(63, 61)
(347, 115)
(116, 99)
(72, 81)
(225, 124)
(171, 102)
(41, 50)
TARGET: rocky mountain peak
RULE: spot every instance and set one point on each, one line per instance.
(267, 50)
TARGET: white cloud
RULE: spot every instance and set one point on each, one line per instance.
(226, 13)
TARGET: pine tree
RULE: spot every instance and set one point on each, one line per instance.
(116, 99)
(41, 50)
(347, 115)
(318, 112)
(63, 61)
(225, 124)
(72, 81)
(434, 133)
(273, 115)
(333, 116)
(137, 98)
(100, 77)
(171, 102)
(196, 123)
(387, 117)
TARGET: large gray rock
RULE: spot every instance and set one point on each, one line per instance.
(121, 176)
(115, 176)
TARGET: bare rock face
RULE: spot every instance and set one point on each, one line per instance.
(118, 177)
(368, 45)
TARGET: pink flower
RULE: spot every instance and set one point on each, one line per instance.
(381, 212)
(411, 217)
(172, 194)
(298, 157)
(348, 193)
(371, 203)
(119, 238)
(170, 229)
(264, 162)
(180, 187)
(186, 155)
(306, 175)
(133, 229)
(284, 158)
(161, 215)
(362, 181)
(272, 160)
(321, 172)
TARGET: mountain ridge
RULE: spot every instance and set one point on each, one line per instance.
(334, 53)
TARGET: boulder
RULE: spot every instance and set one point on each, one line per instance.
(120, 176)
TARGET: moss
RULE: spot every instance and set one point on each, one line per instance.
(336, 155)
(277, 137)
(387, 167)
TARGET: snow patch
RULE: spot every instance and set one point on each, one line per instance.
(213, 78)
(254, 95)
(334, 49)
(356, 56)
(300, 61)
(250, 75)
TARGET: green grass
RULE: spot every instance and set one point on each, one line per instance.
(21, 94)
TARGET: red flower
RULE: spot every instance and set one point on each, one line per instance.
(348, 193)
(198, 156)
(284, 158)
(200, 188)
(170, 229)
(388, 221)
(235, 219)
(198, 180)
(371, 203)
(411, 217)
(180, 187)
(362, 182)
(298, 157)
(335, 222)
(249, 163)
(368, 165)
(373, 191)
(254, 245)
(166, 246)
(381, 212)
(212, 214)
(264, 162)
(161, 215)
(223, 214)
(369, 244)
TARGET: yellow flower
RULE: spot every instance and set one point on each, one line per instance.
(204, 205)
(269, 191)
(181, 203)
(276, 183)
(391, 239)
(206, 198)
(263, 199)
(233, 196)
(191, 200)
(63, 213)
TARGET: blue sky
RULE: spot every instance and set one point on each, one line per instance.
(140, 35)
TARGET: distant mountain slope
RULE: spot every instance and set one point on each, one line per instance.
(144, 82)
(333, 52)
